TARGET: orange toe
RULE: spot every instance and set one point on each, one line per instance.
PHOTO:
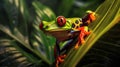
(82, 42)
(76, 46)
(63, 56)
(60, 59)
(57, 62)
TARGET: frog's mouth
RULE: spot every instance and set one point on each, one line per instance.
(63, 35)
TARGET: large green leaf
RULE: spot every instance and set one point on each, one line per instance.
(10, 56)
(22, 27)
(105, 52)
(41, 41)
(43, 12)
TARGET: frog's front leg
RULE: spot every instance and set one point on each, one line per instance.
(83, 32)
(58, 57)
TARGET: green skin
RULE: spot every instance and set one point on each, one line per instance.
(50, 26)
(53, 29)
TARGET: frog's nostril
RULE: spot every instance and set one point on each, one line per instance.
(61, 21)
(41, 26)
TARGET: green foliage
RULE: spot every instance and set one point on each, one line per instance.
(64, 8)
(25, 45)
(22, 28)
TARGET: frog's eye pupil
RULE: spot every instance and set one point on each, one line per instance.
(61, 21)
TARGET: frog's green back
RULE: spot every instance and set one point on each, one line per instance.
(52, 25)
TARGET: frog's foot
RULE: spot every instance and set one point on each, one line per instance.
(83, 41)
(60, 59)
(77, 45)
(63, 56)
(57, 63)
(88, 33)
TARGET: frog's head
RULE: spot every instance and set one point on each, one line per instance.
(61, 27)
(60, 23)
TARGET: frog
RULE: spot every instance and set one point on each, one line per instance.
(66, 30)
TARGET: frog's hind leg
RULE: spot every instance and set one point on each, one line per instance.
(58, 58)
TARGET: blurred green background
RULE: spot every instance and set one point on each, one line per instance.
(23, 44)
(71, 8)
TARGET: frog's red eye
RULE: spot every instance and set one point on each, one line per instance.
(61, 21)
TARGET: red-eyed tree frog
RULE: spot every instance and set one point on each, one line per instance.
(67, 29)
